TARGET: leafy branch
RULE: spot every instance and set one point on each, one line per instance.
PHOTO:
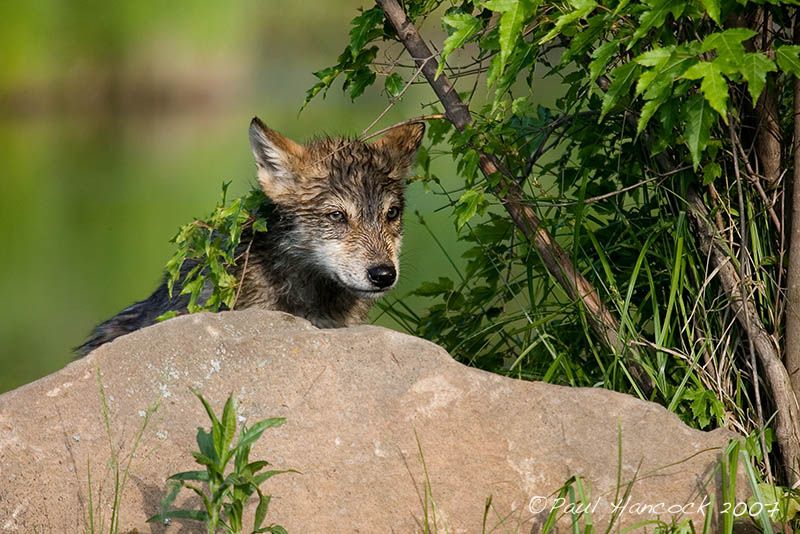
(508, 190)
(205, 261)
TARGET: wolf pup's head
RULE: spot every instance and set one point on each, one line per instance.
(344, 199)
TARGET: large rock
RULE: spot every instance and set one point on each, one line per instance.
(364, 407)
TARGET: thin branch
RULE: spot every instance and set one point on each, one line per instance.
(244, 273)
(421, 118)
(393, 101)
(598, 198)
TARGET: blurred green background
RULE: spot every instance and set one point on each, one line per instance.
(119, 121)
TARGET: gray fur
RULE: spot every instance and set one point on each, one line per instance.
(308, 264)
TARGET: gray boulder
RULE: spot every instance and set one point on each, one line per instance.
(365, 407)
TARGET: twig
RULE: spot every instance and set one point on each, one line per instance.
(421, 118)
(512, 197)
(244, 272)
(393, 101)
(598, 198)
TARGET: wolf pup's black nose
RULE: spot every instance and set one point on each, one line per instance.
(382, 276)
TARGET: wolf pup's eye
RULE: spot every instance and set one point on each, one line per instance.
(337, 216)
(393, 213)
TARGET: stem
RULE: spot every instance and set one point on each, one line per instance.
(744, 274)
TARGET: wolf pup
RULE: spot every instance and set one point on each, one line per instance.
(334, 230)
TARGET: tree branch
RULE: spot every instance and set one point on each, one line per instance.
(510, 193)
(777, 379)
(792, 342)
(768, 129)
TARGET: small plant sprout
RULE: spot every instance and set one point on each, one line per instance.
(224, 495)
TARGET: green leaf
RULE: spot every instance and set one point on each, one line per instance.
(394, 84)
(667, 64)
(255, 467)
(358, 72)
(432, 289)
(711, 171)
(622, 79)
(359, 81)
(727, 41)
(228, 427)
(654, 57)
(792, 508)
(200, 476)
(712, 8)
(266, 475)
(464, 27)
(713, 85)
(581, 8)
(261, 509)
(788, 58)
(207, 406)
(254, 432)
(729, 47)
(203, 459)
(754, 69)
(655, 17)
(326, 78)
(648, 110)
(366, 27)
(700, 409)
(699, 120)
(167, 315)
(514, 13)
(467, 206)
(600, 58)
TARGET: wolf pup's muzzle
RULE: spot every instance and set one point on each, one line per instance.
(382, 276)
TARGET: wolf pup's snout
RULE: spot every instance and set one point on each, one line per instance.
(382, 276)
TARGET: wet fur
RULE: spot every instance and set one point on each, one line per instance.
(306, 263)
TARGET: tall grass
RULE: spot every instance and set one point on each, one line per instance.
(118, 468)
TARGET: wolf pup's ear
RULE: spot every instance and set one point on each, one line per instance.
(277, 158)
(401, 144)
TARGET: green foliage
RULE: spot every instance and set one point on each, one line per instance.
(654, 98)
(788, 58)
(355, 62)
(394, 84)
(513, 14)
(461, 27)
(207, 252)
(224, 494)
